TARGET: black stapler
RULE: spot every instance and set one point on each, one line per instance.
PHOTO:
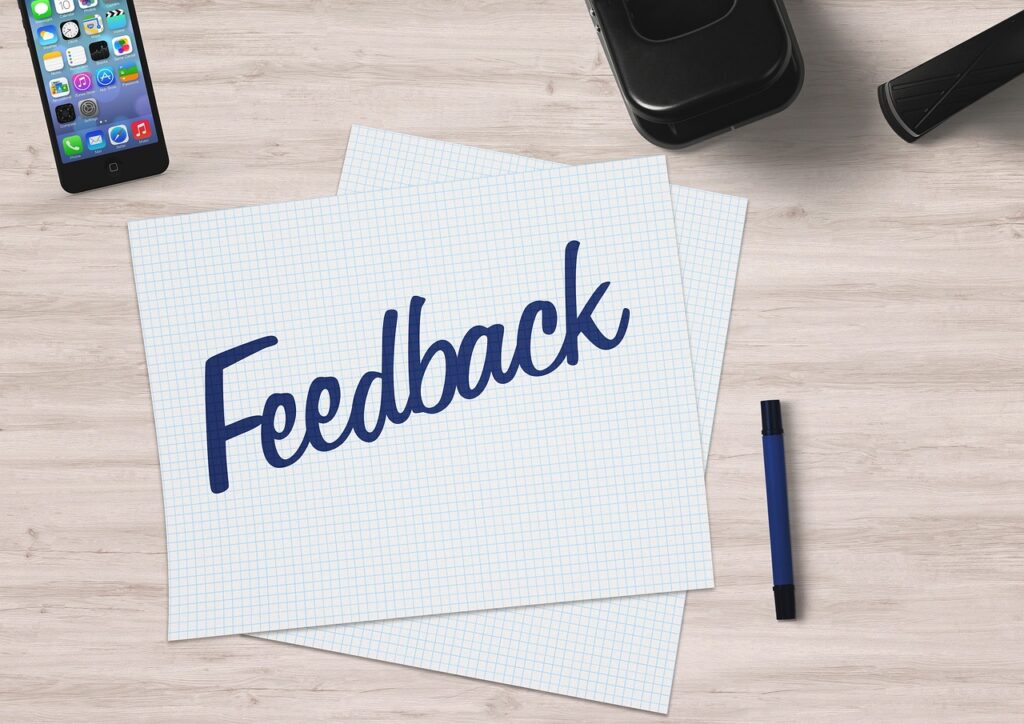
(689, 69)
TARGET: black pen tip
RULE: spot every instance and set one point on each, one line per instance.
(785, 602)
(771, 417)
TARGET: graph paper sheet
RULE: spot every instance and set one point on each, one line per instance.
(618, 651)
(579, 477)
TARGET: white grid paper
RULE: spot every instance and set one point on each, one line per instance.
(619, 651)
(583, 484)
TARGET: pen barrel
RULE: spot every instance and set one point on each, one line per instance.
(778, 509)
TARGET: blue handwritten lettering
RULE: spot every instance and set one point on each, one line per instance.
(539, 317)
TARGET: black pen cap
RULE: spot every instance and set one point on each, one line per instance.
(785, 602)
(771, 417)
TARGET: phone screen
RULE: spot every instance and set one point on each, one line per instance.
(95, 83)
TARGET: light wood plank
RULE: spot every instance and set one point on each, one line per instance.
(880, 295)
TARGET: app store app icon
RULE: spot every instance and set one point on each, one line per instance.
(105, 77)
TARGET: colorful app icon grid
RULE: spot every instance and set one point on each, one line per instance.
(74, 56)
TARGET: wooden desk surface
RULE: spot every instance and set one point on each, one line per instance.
(880, 293)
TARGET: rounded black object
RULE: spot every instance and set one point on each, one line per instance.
(691, 70)
(785, 602)
(771, 417)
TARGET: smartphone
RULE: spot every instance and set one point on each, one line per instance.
(96, 91)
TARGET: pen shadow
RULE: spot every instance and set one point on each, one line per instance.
(797, 526)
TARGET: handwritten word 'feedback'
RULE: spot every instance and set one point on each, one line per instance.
(576, 322)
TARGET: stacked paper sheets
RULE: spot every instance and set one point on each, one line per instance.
(455, 417)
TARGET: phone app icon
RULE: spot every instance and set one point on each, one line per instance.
(88, 108)
(65, 113)
(82, 82)
(128, 73)
(53, 61)
(76, 56)
(64, 6)
(73, 145)
(59, 88)
(87, 4)
(105, 77)
(41, 9)
(122, 45)
(141, 130)
(95, 140)
(70, 30)
(47, 34)
(93, 25)
(116, 19)
(118, 134)
(99, 50)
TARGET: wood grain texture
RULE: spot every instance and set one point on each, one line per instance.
(880, 295)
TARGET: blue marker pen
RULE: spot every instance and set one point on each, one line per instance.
(778, 509)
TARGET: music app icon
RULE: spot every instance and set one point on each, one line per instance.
(141, 130)
(82, 82)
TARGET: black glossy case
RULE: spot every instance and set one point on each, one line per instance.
(922, 98)
(689, 70)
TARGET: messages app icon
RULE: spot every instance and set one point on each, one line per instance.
(41, 9)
